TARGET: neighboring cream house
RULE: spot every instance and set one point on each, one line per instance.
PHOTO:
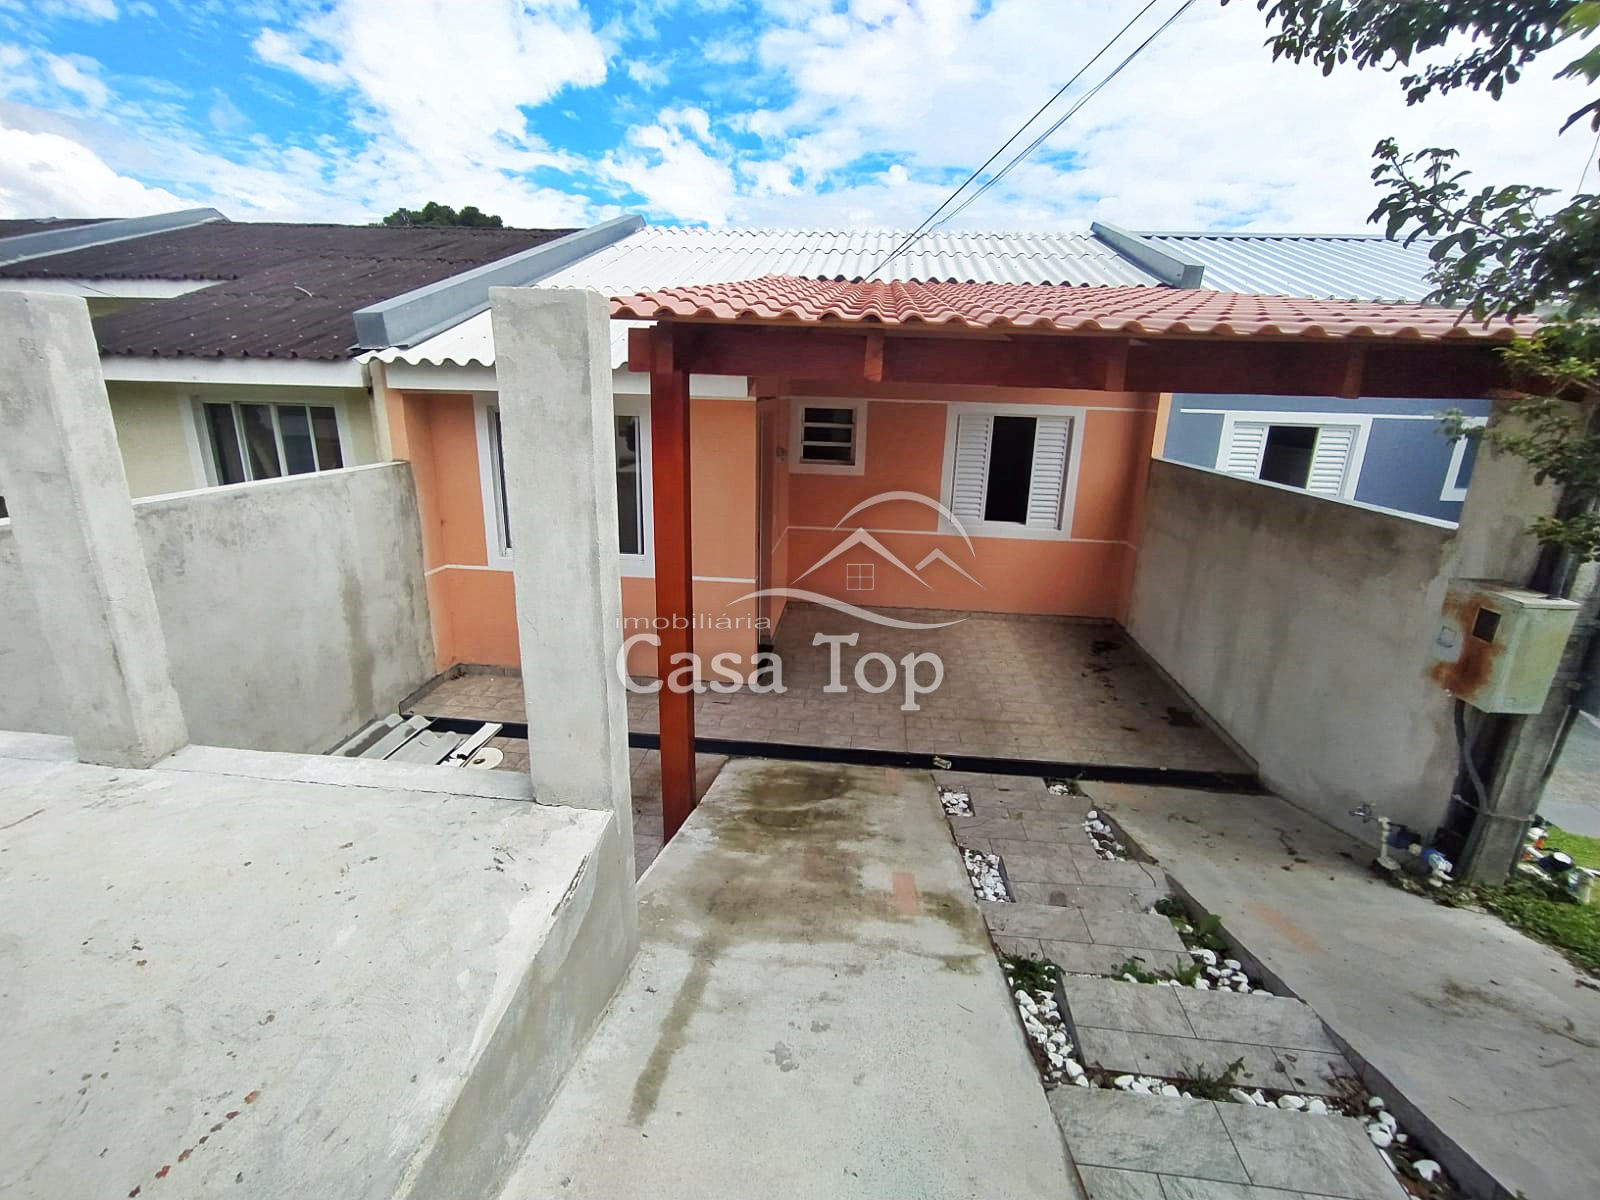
(231, 350)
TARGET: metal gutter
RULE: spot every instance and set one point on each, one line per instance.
(1171, 269)
(410, 317)
(25, 246)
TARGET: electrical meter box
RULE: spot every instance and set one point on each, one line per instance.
(1499, 645)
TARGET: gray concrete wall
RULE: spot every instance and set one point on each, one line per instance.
(294, 609)
(1302, 626)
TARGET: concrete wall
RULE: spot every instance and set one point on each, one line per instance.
(1407, 458)
(294, 609)
(1302, 626)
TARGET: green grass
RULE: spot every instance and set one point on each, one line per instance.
(1573, 929)
(1031, 974)
(1585, 851)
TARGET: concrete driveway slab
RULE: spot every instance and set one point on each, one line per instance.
(1489, 1049)
(1141, 931)
(1109, 1183)
(1256, 1018)
(814, 1012)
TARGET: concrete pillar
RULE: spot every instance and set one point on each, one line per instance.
(558, 438)
(73, 523)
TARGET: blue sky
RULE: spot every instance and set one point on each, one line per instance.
(783, 112)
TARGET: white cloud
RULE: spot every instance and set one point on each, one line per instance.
(647, 74)
(78, 75)
(88, 10)
(278, 48)
(46, 174)
(677, 167)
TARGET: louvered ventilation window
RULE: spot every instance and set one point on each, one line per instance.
(828, 436)
(1315, 458)
(1010, 470)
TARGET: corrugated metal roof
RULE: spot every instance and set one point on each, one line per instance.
(660, 257)
(1363, 266)
(1136, 311)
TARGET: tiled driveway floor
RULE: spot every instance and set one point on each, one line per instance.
(1038, 688)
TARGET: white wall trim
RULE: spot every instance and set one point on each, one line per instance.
(989, 537)
(1358, 453)
(272, 372)
(797, 411)
(1069, 488)
(1453, 488)
(1346, 418)
(109, 289)
(634, 566)
(204, 458)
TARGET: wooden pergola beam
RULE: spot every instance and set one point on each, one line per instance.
(669, 469)
(1452, 370)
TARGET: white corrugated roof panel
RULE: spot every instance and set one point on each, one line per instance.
(658, 257)
(1316, 266)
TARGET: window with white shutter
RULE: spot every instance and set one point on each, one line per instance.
(1316, 452)
(1009, 469)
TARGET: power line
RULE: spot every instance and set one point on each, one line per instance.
(1065, 117)
(917, 232)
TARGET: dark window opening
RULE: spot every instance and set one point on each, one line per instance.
(1287, 457)
(1010, 469)
(630, 496)
(828, 435)
(225, 443)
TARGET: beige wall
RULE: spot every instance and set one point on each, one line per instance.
(160, 440)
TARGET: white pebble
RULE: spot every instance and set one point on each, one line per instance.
(1204, 955)
(1381, 1137)
(1203, 984)
(1295, 1102)
(1081, 1080)
(1233, 964)
(1427, 1170)
(1375, 1103)
(1167, 1089)
(1317, 1105)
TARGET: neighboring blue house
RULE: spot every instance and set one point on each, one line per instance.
(1391, 453)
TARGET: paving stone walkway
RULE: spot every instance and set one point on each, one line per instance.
(1090, 916)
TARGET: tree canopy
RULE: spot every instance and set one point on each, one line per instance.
(1501, 250)
(433, 213)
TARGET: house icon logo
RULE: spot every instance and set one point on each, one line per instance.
(864, 555)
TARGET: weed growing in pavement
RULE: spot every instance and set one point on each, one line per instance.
(1203, 1085)
(1030, 974)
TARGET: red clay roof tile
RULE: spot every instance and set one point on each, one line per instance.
(1137, 311)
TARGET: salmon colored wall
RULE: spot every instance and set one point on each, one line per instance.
(474, 606)
(1087, 576)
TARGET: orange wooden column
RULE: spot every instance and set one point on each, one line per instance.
(669, 467)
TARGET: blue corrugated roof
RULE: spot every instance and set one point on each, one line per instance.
(1361, 266)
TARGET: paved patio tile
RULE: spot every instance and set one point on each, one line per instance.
(1090, 899)
(1117, 1004)
(1017, 947)
(1309, 1154)
(1035, 920)
(1118, 872)
(1032, 863)
(1258, 1018)
(1109, 1183)
(1146, 1133)
(1181, 1057)
(1148, 931)
(1087, 958)
(1177, 1187)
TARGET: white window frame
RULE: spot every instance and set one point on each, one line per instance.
(1453, 488)
(208, 454)
(1358, 452)
(797, 461)
(1069, 486)
(498, 556)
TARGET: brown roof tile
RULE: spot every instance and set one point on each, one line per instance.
(1137, 311)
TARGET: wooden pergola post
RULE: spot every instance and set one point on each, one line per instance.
(669, 439)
